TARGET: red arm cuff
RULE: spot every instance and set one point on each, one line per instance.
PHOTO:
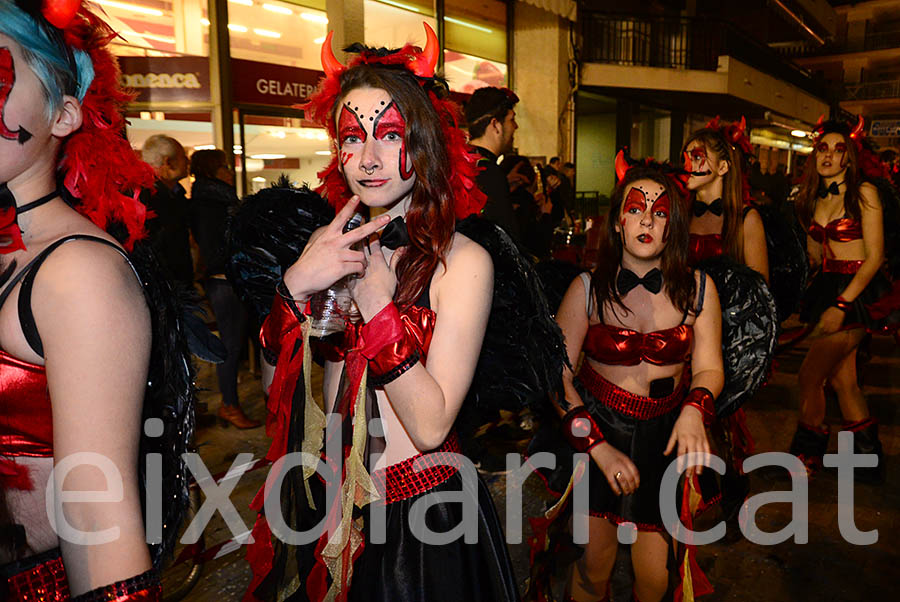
(390, 349)
(580, 430)
(702, 399)
(286, 315)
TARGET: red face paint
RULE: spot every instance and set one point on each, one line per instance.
(391, 125)
(636, 199)
(349, 127)
(7, 81)
(698, 154)
(662, 206)
(345, 157)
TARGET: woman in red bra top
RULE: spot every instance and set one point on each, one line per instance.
(424, 294)
(721, 224)
(75, 328)
(641, 319)
(843, 217)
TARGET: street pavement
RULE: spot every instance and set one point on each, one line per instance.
(826, 568)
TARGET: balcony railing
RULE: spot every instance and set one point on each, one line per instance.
(872, 41)
(872, 90)
(682, 43)
(881, 40)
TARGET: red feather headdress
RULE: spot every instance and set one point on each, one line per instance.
(98, 166)
(467, 197)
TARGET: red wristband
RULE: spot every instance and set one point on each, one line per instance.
(390, 349)
(285, 315)
(702, 399)
(842, 304)
(581, 430)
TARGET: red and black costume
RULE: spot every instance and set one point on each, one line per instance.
(26, 430)
(637, 425)
(834, 276)
(102, 178)
(402, 568)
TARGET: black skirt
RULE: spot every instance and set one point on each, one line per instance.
(404, 569)
(826, 287)
(643, 441)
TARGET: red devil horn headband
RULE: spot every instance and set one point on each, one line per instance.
(330, 64)
(858, 129)
(429, 55)
(621, 165)
(422, 65)
(60, 13)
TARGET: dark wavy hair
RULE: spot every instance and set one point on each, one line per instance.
(810, 181)
(732, 189)
(677, 276)
(205, 163)
(430, 219)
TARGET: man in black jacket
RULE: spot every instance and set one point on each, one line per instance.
(168, 230)
(491, 118)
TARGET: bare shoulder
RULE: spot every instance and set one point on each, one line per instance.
(868, 193)
(753, 220)
(468, 256)
(94, 274)
(706, 284)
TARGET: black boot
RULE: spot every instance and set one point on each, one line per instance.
(809, 445)
(865, 441)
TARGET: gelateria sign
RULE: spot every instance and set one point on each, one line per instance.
(885, 128)
(185, 79)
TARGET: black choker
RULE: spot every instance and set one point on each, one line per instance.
(41, 201)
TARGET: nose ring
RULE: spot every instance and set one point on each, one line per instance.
(369, 171)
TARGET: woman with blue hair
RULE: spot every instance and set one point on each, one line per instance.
(75, 326)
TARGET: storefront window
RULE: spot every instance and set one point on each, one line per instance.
(272, 31)
(393, 24)
(157, 27)
(467, 73)
(276, 146)
(475, 44)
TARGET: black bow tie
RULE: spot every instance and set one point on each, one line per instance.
(834, 189)
(715, 207)
(627, 280)
(394, 234)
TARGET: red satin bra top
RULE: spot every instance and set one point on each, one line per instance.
(704, 246)
(26, 425)
(616, 346)
(843, 229)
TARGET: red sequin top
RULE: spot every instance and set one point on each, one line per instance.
(617, 346)
(26, 424)
(843, 229)
(704, 246)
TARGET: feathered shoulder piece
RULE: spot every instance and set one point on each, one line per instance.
(420, 64)
(97, 164)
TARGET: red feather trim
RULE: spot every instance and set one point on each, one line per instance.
(468, 198)
(14, 476)
(101, 169)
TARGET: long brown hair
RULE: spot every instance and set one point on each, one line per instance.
(732, 189)
(677, 276)
(810, 181)
(430, 219)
